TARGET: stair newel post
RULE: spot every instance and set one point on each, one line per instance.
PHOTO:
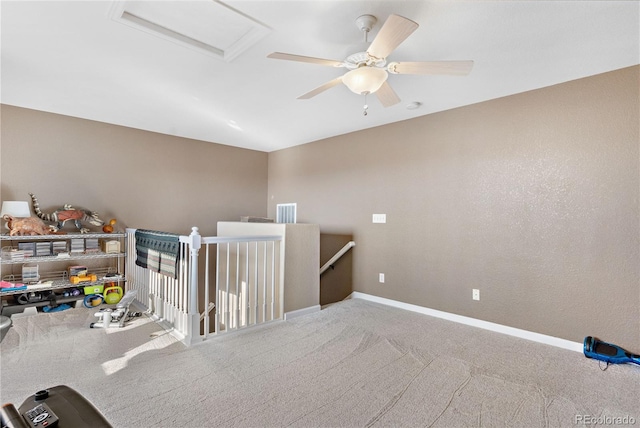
(195, 242)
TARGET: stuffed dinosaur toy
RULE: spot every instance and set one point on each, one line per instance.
(68, 213)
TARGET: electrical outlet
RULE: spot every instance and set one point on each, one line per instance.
(476, 294)
(381, 277)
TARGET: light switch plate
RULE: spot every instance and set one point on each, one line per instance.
(379, 218)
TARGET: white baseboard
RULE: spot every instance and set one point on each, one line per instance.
(300, 312)
(499, 328)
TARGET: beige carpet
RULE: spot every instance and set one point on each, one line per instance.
(353, 364)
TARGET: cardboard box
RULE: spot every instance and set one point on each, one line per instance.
(111, 246)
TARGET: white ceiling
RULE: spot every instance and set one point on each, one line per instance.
(72, 58)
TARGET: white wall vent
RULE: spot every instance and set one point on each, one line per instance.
(209, 27)
(286, 213)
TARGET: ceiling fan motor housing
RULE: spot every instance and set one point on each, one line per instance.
(360, 59)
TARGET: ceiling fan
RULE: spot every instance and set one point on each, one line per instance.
(369, 70)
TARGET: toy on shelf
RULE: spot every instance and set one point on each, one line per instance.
(68, 213)
(108, 228)
(26, 226)
(90, 277)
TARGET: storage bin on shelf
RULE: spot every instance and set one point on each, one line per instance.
(93, 289)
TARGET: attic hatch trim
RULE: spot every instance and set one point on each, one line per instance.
(243, 42)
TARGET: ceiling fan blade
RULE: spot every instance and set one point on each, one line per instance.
(394, 31)
(387, 95)
(321, 88)
(309, 59)
(459, 68)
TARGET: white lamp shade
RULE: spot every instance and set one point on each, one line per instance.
(365, 79)
(15, 209)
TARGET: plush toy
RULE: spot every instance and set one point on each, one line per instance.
(68, 213)
(26, 226)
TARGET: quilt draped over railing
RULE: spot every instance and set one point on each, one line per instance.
(157, 251)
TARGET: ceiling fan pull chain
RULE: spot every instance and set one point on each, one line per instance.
(366, 106)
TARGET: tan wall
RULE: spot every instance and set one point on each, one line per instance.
(532, 198)
(145, 180)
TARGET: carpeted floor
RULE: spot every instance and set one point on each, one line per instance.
(353, 364)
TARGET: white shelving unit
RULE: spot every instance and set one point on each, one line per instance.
(53, 269)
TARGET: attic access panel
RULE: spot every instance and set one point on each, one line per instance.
(209, 27)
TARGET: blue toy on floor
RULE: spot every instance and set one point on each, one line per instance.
(607, 352)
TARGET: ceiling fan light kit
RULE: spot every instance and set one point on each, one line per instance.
(365, 80)
(368, 74)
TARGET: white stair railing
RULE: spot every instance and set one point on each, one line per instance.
(245, 288)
